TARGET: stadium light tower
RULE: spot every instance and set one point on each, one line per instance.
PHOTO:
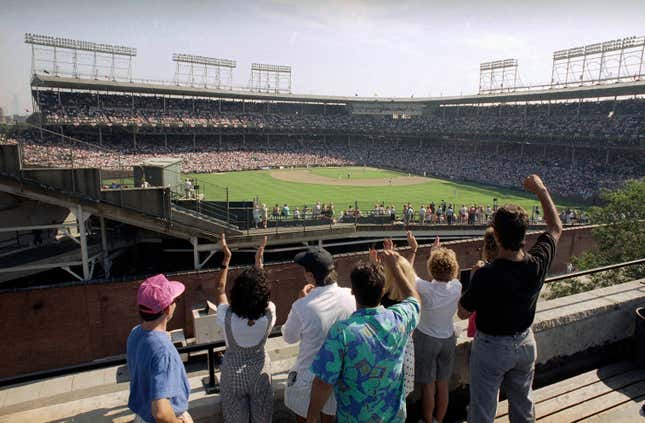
(270, 78)
(76, 58)
(498, 75)
(611, 61)
(203, 71)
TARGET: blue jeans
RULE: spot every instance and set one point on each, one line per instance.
(507, 362)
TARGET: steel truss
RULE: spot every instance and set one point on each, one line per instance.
(498, 76)
(87, 262)
(270, 78)
(200, 71)
(610, 61)
(79, 59)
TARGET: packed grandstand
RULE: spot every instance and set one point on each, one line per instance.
(578, 146)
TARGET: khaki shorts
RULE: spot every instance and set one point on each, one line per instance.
(434, 357)
(297, 395)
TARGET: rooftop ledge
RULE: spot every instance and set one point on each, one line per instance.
(563, 327)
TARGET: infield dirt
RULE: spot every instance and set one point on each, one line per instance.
(305, 176)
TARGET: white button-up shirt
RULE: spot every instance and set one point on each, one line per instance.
(311, 317)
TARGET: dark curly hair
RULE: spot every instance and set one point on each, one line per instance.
(250, 294)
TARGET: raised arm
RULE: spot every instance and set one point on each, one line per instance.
(534, 184)
(220, 286)
(407, 287)
(414, 247)
(259, 254)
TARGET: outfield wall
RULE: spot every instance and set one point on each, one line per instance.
(58, 326)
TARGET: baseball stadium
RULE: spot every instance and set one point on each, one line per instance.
(114, 179)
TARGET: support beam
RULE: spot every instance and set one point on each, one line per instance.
(68, 270)
(81, 229)
(195, 242)
(104, 244)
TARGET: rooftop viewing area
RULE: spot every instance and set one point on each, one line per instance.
(279, 211)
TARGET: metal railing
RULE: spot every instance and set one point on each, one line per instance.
(210, 384)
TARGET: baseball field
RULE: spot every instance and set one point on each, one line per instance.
(346, 186)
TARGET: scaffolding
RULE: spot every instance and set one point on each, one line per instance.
(270, 78)
(206, 72)
(79, 59)
(607, 62)
(498, 76)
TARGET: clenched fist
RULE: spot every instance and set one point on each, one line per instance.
(534, 184)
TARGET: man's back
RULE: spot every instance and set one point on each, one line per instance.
(363, 358)
(311, 317)
(504, 293)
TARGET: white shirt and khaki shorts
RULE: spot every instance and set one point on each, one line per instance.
(308, 323)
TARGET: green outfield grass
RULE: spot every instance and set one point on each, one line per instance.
(247, 185)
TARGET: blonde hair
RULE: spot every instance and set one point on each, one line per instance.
(443, 265)
(391, 288)
(490, 249)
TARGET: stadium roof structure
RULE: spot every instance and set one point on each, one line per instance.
(161, 162)
(544, 93)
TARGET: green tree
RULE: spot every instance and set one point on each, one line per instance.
(620, 237)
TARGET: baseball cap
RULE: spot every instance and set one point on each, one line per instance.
(315, 260)
(156, 293)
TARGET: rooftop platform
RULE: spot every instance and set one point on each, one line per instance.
(565, 328)
(613, 393)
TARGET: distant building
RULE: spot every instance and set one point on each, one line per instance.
(1, 115)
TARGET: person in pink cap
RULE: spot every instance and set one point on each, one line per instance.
(159, 386)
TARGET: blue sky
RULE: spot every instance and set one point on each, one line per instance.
(388, 48)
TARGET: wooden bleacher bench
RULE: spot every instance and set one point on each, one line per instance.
(613, 393)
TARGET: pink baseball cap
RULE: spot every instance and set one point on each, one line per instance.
(156, 293)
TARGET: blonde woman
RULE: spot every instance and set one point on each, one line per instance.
(393, 295)
(434, 337)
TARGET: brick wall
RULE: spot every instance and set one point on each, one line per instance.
(58, 326)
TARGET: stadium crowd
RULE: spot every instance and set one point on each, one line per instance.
(361, 350)
(610, 122)
(576, 173)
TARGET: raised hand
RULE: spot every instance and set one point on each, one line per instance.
(389, 257)
(533, 184)
(436, 244)
(373, 256)
(259, 254)
(225, 250)
(412, 241)
(388, 244)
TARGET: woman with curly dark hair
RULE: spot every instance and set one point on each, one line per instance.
(247, 394)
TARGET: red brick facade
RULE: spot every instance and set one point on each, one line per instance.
(59, 326)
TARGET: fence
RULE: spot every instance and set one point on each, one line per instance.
(211, 384)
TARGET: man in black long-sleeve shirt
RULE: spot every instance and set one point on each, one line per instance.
(504, 293)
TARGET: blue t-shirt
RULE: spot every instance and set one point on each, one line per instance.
(156, 372)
